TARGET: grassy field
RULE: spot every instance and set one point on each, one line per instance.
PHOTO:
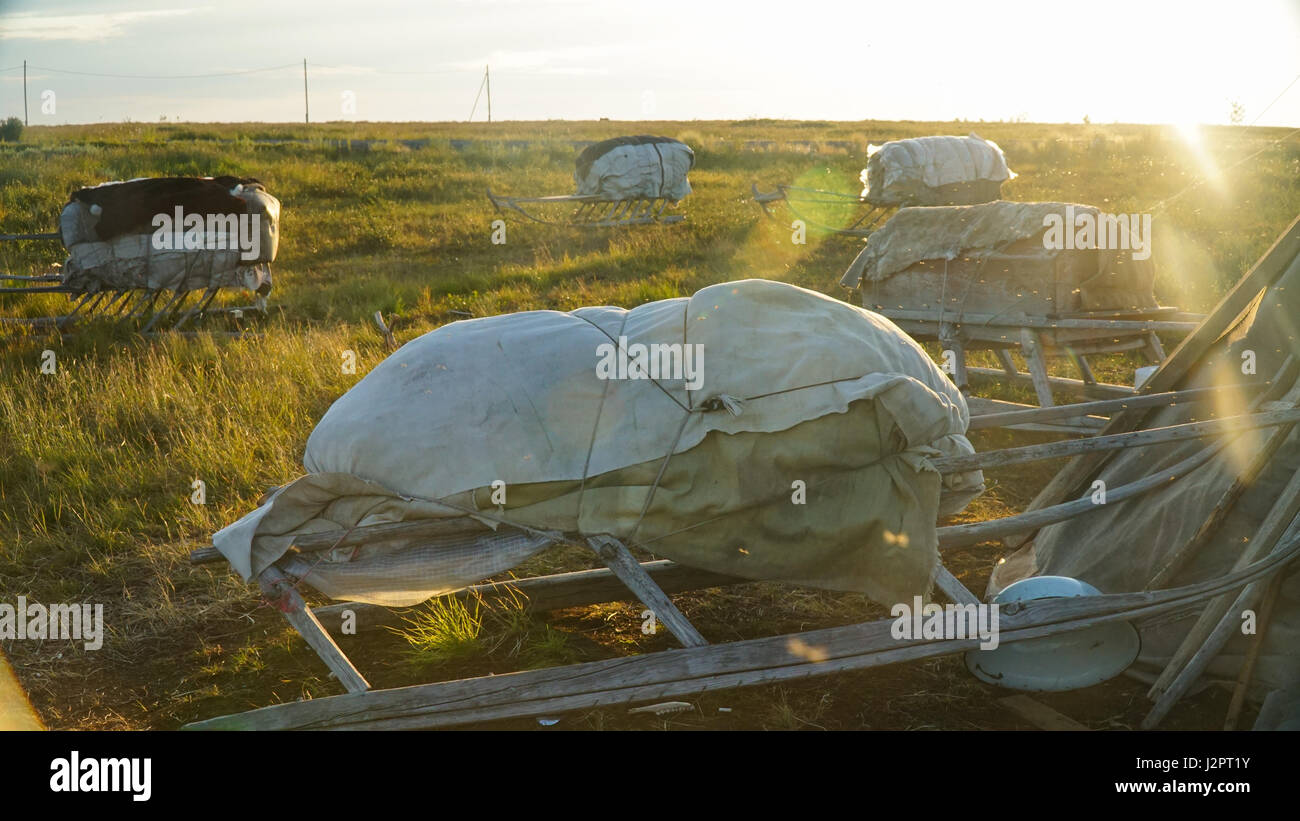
(97, 460)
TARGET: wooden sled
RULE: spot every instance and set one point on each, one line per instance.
(700, 666)
(590, 211)
(797, 198)
(152, 311)
(1076, 336)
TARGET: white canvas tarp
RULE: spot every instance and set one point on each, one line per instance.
(635, 167)
(904, 172)
(800, 450)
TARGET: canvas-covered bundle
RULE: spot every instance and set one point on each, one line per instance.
(171, 233)
(642, 167)
(995, 258)
(787, 435)
(1121, 546)
(934, 171)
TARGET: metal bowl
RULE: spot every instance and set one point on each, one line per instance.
(1066, 661)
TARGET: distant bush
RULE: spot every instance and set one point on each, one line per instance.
(11, 130)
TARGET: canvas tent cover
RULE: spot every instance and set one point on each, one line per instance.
(125, 257)
(915, 235)
(796, 388)
(1120, 547)
(908, 172)
(635, 167)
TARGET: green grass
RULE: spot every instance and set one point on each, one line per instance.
(97, 460)
(445, 630)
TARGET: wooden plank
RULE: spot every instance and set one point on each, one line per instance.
(992, 413)
(282, 593)
(541, 593)
(1101, 390)
(952, 586)
(1006, 360)
(1037, 364)
(1018, 321)
(1071, 425)
(1263, 273)
(1040, 715)
(675, 673)
(629, 571)
(1136, 439)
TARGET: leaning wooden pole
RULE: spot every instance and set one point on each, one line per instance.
(1267, 270)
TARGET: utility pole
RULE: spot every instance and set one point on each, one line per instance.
(306, 109)
(25, 123)
(487, 78)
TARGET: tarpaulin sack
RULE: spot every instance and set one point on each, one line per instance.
(129, 257)
(635, 167)
(934, 171)
(799, 451)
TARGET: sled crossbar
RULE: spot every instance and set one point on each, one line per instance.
(795, 196)
(592, 211)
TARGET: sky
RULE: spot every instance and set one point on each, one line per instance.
(1108, 60)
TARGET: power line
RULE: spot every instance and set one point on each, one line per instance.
(373, 70)
(1275, 99)
(164, 76)
(1202, 179)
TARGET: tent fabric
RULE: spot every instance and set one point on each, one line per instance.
(1120, 547)
(915, 235)
(635, 167)
(130, 260)
(913, 171)
(798, 390)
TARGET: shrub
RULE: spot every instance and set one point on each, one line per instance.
(11, 130)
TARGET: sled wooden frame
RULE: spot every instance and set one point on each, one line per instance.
(591, 211)
(795, 196)
(138, 306)
(686, 671)
(650, 582)
(1076, 336)
(645, 582)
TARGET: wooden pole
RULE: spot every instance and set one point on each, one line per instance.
(1016, 417)
(306, 106)
(1221, 616)
(25, 123)
(487, 79)
(1252, 655)
(282, 593)
(1176, 560)
(578, 588)
(958, 535)
(1114, 441)
(1018, 322)
(619, 559)
(1271, 266)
